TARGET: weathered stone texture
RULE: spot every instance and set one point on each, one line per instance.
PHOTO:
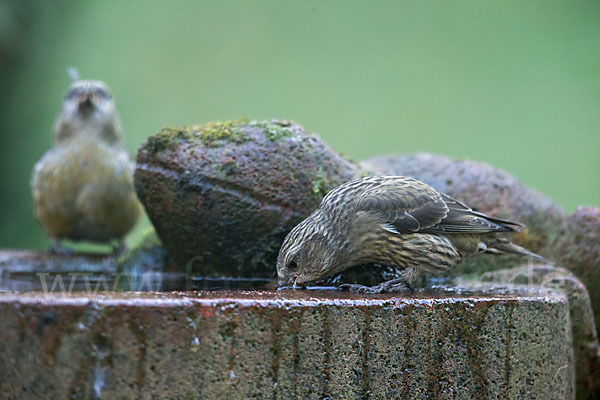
(286, 345)
(586, 349)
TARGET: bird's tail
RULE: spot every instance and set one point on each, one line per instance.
(504, 246)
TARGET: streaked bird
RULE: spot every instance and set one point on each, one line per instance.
(83, 186)
(390, 220)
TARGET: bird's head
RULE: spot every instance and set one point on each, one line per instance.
(306, 254)
(88, 104)
(88, 99)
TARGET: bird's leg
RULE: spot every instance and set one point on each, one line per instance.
(356, 287)
(119, 248)
(398, 285)
(57, 248)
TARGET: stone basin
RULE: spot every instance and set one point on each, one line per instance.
(495, 342)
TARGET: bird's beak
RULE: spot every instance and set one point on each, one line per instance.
(292, 282)
(86, 103)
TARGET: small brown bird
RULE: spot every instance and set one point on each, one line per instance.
(390, 220)
(83, 186)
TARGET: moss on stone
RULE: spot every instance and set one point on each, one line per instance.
(167, 138)
(321, 184)
(215, 133)
(273, 130)
(211, 134)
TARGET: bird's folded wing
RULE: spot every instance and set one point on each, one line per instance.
(409, 206)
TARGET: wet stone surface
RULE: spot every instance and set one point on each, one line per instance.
(488, 343)
(140, 270)
(24, 270)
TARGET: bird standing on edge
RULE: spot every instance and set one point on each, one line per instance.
(394, 221)
(83, 186)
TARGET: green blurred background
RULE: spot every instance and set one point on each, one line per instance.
(512, 83)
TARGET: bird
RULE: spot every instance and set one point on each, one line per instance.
(394, 221)
(82, 187)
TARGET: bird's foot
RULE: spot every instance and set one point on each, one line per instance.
(392, 286)
(354, 287)
(57, 248)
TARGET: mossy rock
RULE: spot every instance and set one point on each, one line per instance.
(222, 196)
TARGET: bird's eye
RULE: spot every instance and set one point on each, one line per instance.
(101, 94)
(73, 93)
(293, 265)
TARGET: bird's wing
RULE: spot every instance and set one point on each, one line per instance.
(463, 219)
(407, 205)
